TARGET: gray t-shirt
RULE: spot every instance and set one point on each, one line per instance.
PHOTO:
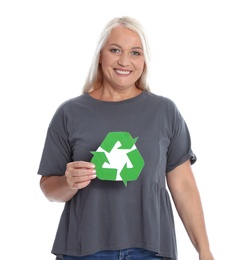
(107, 215)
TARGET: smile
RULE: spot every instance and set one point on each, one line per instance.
(123, 72)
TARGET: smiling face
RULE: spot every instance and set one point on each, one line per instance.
(122, 59)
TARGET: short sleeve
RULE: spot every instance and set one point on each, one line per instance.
(179, 149)
(56, 152)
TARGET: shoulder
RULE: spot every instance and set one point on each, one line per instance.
(166, 108)
(162, 101)
(65, 111)
(71, 103)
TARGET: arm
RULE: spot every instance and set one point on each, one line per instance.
(62, 188)
(185, 194)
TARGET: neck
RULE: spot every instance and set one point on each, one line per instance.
(106, 94)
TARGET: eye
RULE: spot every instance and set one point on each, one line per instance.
(114, 50)
(135, 53)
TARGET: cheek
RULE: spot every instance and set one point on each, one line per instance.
(141, 66)
(106, 59)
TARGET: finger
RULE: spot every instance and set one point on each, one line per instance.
(83, 178)
(81, 164)
(80, 182)
(72, 172)
(81, 185)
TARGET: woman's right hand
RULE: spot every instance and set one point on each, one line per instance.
(62, 188)
(79, 174)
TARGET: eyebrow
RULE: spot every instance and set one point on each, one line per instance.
(115, 44)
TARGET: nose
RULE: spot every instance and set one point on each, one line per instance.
(124, 59)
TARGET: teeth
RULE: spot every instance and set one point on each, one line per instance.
(123, 72)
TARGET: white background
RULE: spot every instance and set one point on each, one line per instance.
(46, 48)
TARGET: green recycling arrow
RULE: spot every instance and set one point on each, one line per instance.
(131, 174)
(117, 158)
(99, 159)
(123, 137)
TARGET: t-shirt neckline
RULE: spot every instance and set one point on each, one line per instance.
(132, 99)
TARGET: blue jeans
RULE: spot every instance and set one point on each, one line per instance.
(125, 254)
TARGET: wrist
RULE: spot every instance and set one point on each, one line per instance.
(206, 255)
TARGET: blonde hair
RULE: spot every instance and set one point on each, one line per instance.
(95, 77)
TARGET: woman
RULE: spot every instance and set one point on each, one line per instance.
(93, 138)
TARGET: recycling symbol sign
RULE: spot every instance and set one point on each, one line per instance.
(117, 158)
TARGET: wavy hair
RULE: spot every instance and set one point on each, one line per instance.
(94, 79)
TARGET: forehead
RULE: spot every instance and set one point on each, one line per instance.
(124, 36)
